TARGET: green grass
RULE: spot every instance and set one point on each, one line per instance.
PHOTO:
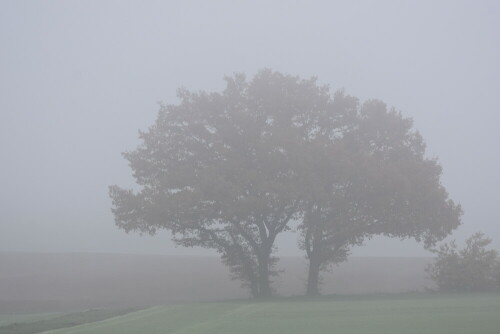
(411, 313)
(36, 323)
(7, 319)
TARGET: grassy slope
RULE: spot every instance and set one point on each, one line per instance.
(401, 314)
(29, 324)
(6, 319)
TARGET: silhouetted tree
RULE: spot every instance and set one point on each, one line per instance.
(219, 170)
(378, 183)
(473, 268)
(231, 170)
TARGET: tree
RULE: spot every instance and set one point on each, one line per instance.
(230, 171)
(382, 185)
(220, 171)
(473, 268)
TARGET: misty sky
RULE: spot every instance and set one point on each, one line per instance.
(78, 79)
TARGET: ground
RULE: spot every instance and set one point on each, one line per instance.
(396, 313)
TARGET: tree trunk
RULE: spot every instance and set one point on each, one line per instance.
(264, 282)
(314, 252)
(254, 288)
(313, 276)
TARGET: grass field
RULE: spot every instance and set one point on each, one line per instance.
(36, 323)
(407, 313)
(7, 319)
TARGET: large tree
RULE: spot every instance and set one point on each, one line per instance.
(230, 171)
(219, 170)
(382, 184)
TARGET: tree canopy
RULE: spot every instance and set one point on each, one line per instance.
(232, 170)
(382, 185)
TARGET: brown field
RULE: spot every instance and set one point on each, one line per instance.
(59, 282)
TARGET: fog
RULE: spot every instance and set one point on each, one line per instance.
(79, 79)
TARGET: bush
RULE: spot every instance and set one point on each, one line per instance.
(473, 268)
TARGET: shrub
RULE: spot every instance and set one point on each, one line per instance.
(473, 268)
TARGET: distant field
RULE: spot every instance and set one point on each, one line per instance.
(31, 283)
(36, 323)
(407, 313)
(7, 319)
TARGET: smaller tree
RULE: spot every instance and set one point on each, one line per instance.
(473, 268)
(370, 178)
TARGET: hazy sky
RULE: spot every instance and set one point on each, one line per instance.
(78, 79)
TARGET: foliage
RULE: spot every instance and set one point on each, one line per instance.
(220, 170)
(473, 268)
(231, 170)
(378, 182)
